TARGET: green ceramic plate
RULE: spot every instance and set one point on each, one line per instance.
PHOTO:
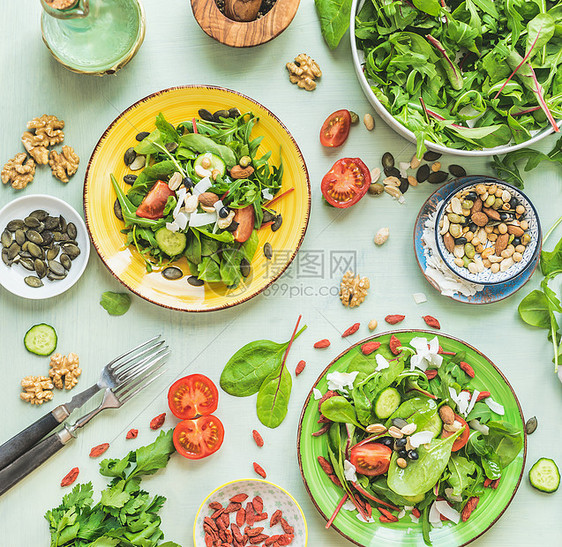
(325, 495)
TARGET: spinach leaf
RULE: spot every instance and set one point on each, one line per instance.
(273, 398)
(421, 411)
(534, 309)
(481, 412)
(202, 144)
(492, 468)
(334, 19)
(209, 270)
(422, 474)
(460, 469)
(115, 303)
(339, 409)
(505, 441)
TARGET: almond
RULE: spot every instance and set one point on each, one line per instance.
(447, 415)
(477, 207)
(480, 219)
(501, 243)
(491, 213)
(515, 230)
(208, 199)
(238, 172)
(449, 242)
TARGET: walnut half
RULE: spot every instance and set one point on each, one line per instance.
(19, 171)
(65, 164)
(65, 370)
(353, 289)
(36, 390)
(304, 71)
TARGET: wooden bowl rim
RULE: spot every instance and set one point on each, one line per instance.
(239, 27)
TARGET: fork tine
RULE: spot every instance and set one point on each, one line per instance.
(138, 368)
(133, 361)
(128, 396)
(133, 382)
(113, 363)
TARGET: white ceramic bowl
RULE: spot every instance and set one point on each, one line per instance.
(358, 59)
(274, 497)
(12, 277)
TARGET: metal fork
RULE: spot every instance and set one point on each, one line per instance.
(112, 398)
(113, 374)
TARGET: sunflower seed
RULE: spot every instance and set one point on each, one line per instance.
(172, 273)
(267, 250)
(531, 425)
(33, 281)
(195, 281)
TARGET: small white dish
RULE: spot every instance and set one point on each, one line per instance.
(12, 277)
(274, 497)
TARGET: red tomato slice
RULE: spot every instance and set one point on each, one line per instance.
(335, 129)
(462, 440)
(371, 458)
(154, 202)
(196, 439)
(346, 182)
(193, 395)
(245, 218)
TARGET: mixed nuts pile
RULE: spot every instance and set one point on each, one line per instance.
(36, 242)
(484, 227)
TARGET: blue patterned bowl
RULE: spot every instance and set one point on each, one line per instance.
(487, 277)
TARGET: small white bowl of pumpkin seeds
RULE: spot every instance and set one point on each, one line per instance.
(487, 231)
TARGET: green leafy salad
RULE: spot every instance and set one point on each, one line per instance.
(406, 433)
(202, 195)
(466, 74)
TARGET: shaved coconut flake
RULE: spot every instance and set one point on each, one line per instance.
(349, 471)
(414, 519)
(401, 200)
(426, 353)
(447, 511)
(408, 507)
(419, 297)
(180, 196)
(452, 497)
(181, 221)
(317, 393)
(382, 363)
(435, 516)
(403, 167)
(218, 205)
(368, 521)
(461, 400)
(341, 380)
(267, 195)
(401, 514)
(202, 219)
(475, 394)
(494, 407)
(421, 437)
(172, 226)
(477, 426)
(202, 186)
(349, 506)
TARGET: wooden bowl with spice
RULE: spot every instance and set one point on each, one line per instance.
(244, 23)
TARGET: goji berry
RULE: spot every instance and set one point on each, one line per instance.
(287, 528)
(394, 345)
(483, 395)
(132, 434)
(236, 532)
(285, 539)
(276, 517)
(351, 330)
(325, 397)
(431, 373)
(431, 321)
(322, 343)
(215, 505)
(369, 347)
(385, 512)
(257, 502)
(416, 512)
(158, 421)
(495, 483)
(392, 518)
(98, 450)
(239, 498)
(322, 430)
(241, 517)
(323, 420)
(261, 516)
(467, 368)
(251, 532)
(335, 480)
(260, 471)
(469, 507)
(70, 477)
(271, 540)
(325, 465)
(369, 509)
(394, 319)
(233, 507)
(257, 438)
(487, 482)
(300, 367)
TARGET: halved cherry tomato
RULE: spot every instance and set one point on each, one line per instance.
(371, 458)
(346, 182)
(245, 218)
(193, 395)
(335, 129)
(154, 202)
(196, 439)
(462, 440)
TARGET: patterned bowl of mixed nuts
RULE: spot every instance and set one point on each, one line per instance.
(487, 231)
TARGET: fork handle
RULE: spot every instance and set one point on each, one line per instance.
(19, 444)
(31, 460)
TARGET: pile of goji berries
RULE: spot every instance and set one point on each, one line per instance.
(220, 532)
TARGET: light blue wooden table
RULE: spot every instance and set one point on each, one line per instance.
(177, 52)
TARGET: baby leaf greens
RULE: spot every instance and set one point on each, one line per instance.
(259, 367)
(115, 303)
(125, 514)
(465, 74)
(334, 19)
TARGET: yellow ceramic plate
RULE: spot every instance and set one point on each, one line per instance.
(181, 104)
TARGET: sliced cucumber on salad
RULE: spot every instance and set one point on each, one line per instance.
(211, 162)
(171, 243)
(387, 403)
(545, 476)
(41, 339)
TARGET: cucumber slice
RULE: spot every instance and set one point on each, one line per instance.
(41, 339)
(387, 402)
(545, 476)
(172, 243)
(216, 162)
(414, 499)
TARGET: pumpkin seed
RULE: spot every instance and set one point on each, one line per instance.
(56, 267)
(47, 238)
(399, 422)
(531, 425)
(71, 230)
(220, 114)
(13, 250)
(39, 214)
(423, 173)
(5, 258)
(354, 117)
(55, 277)
(245, 267)
(35, 250)
(387, 160)
(71, 250)
(53, 252)
(138, 163)
(129, 156)
(7, 238)
(277, 223)
(172, 273)
(205, 115)
(117, 209)
(142, 135)
(40, 268)
(431, 156)
(129, 179)
(31, 222)
(195, 281)
(234, 113)
(232, 227)
(34, 237)
(268, 217)
(457, 170)
(25, 246)
(52, 223)
(64, 237)
(171, 147)
(27, 263)
(13, 225)
(62, 223)
(65, 261)
(267, 250)
(437, 177)
(404, 185)
(33, 281)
